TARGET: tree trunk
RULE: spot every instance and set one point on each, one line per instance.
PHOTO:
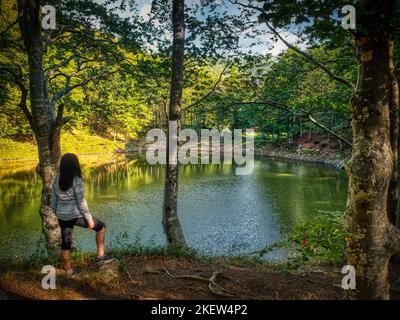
(47, 170)
(397, 76)
(171, 224)
(393, 195)
(46, 132)
(301, 128)
(370, 167)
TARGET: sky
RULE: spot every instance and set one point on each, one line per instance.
(266, 46)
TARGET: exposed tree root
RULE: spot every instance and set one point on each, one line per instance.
(135, 295)
(151, 270)
(130, 277)
(212, 284)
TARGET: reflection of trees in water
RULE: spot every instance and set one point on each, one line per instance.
(132, 171)
(18, 191)
(293, 189)
(207, 169)
(121, 173)
(298, 191)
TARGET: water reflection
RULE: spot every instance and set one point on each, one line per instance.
(220, 213)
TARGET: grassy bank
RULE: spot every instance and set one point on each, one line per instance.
(76, 141)
(165, 273)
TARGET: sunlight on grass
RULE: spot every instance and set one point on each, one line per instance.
(82, 142)
(10, 149)
(284, 175)
(77, 141)
(11, 167)
(93, 150)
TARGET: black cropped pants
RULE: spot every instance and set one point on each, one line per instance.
(68, 226)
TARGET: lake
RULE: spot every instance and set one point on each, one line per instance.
(220, 213)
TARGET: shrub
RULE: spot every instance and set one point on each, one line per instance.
(322, 240)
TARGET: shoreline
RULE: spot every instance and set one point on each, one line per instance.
(311, 157)
(275, 153)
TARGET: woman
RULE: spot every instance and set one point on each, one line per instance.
(70, 206)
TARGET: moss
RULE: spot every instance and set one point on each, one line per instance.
(361, 196)
(366, 56)
(361, 41)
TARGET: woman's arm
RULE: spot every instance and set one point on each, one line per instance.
(81, 201)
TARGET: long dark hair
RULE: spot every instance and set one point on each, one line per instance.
(69, 169)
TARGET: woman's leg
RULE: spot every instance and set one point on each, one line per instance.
(100, 229)
(66, 242)
(66, 257)
(100, 236)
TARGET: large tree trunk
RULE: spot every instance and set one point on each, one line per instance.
(171, 224)
(393, 196)
(43, 121)
(371, 164)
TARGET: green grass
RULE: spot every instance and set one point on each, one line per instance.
(82, 142)
(77, 141)
(82, 258)
(10, 149)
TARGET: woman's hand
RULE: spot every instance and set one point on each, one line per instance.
(90, 224)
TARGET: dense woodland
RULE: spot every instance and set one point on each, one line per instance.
(117, 90)
(108, 69)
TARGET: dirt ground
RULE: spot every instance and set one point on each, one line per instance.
(157, 277)
(170, 278)
(321, 143)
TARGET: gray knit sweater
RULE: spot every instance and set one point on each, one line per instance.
(70, 204)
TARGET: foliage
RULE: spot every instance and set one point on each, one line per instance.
(322, 239)
(113, 76)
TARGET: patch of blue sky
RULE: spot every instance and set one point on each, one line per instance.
(260, 44)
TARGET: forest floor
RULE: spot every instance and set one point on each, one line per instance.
(155, 277)
(163, 277)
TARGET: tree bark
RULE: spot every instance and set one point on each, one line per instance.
(371, 164)
(170, 221)
(393, 194)
(43, 121)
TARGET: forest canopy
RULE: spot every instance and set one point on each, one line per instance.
(110, 81)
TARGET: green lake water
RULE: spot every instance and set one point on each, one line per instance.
(220, 213)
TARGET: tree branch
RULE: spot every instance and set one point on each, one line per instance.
(9, 27)
(307, 56)
(24, 94)
(67, 60)
(68, 88)
(211, 91)
(303, 114)
(60, 112)
(310, 58)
